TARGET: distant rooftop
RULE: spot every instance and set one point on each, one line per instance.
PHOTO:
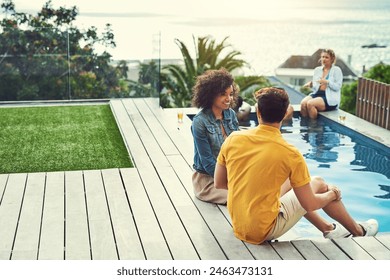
(294, 95)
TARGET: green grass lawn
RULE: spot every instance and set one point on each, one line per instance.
(60, 138)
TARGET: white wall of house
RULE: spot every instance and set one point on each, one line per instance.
(294, 77)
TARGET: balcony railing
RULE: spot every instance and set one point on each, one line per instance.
(373, 102)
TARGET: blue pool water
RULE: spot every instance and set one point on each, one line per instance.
(359, 166)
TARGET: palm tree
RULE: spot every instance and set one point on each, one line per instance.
(249, 84)
(209, 52)
(178, 80)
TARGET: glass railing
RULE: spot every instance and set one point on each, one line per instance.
(49, 64)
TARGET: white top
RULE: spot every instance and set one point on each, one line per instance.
(335, 81)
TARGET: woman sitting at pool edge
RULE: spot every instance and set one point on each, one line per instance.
(214, 94)
(326, 84)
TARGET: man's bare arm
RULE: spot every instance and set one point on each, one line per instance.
(220, 177)
(311, 201)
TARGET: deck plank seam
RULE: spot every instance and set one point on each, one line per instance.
(137, 132)
(161, 181)
(368, 251)
(178, 215)
(5, 186)
(303, 256)
(136, 221)
(193, 202)
(43, 207)
(141, 179)
(109, 215)
(204, 219)
(155, 215)
(132, 214)
(364, 249)
(272, 242)
(64, 241)
(276, 251)
(147, 124)
(322, 253)
(228, 221)
(143, 183)
(223, 214)
(20, 212)
(127, 144)
(319, 249)
(87, 213)
(185, 189)
(387, 247)
(167, 132)
(344, 251)
(201, 215)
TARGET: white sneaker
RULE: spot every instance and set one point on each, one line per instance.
(338, 232)
(370, 226)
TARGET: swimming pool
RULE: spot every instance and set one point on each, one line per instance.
(359, 166)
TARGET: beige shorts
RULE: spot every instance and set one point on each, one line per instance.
(205, 190)
(290, 213)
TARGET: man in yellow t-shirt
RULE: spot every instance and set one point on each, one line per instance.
(253, 165)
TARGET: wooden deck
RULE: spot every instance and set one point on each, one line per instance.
(147, 212)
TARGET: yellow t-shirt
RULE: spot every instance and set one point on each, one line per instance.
(258, 162)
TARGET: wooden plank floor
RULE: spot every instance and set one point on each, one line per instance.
(146, 212)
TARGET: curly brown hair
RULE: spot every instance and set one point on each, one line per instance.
(211, 84)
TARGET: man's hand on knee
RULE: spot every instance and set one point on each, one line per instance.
(336, 190)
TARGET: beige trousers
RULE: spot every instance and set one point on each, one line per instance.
(204, 189)
(291, 211)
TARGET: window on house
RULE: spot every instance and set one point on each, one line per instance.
(297, 81)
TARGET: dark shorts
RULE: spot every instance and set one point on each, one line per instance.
(321, 93)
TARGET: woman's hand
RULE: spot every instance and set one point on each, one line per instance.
(323, 82)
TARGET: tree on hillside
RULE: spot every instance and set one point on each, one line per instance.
(348, 97)
(148, 83)
(178, 80)
(44, 56)
(379, 72)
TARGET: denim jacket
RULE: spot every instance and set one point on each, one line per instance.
(208, 137)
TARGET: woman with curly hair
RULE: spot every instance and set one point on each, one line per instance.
(214, 94)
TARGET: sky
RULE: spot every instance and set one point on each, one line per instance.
(198, 8)
(201, 8)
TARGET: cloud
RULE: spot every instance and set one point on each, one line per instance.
(121, 15)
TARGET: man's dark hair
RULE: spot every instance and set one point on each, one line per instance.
(209, 85)
(238, 103)
(272, 104)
